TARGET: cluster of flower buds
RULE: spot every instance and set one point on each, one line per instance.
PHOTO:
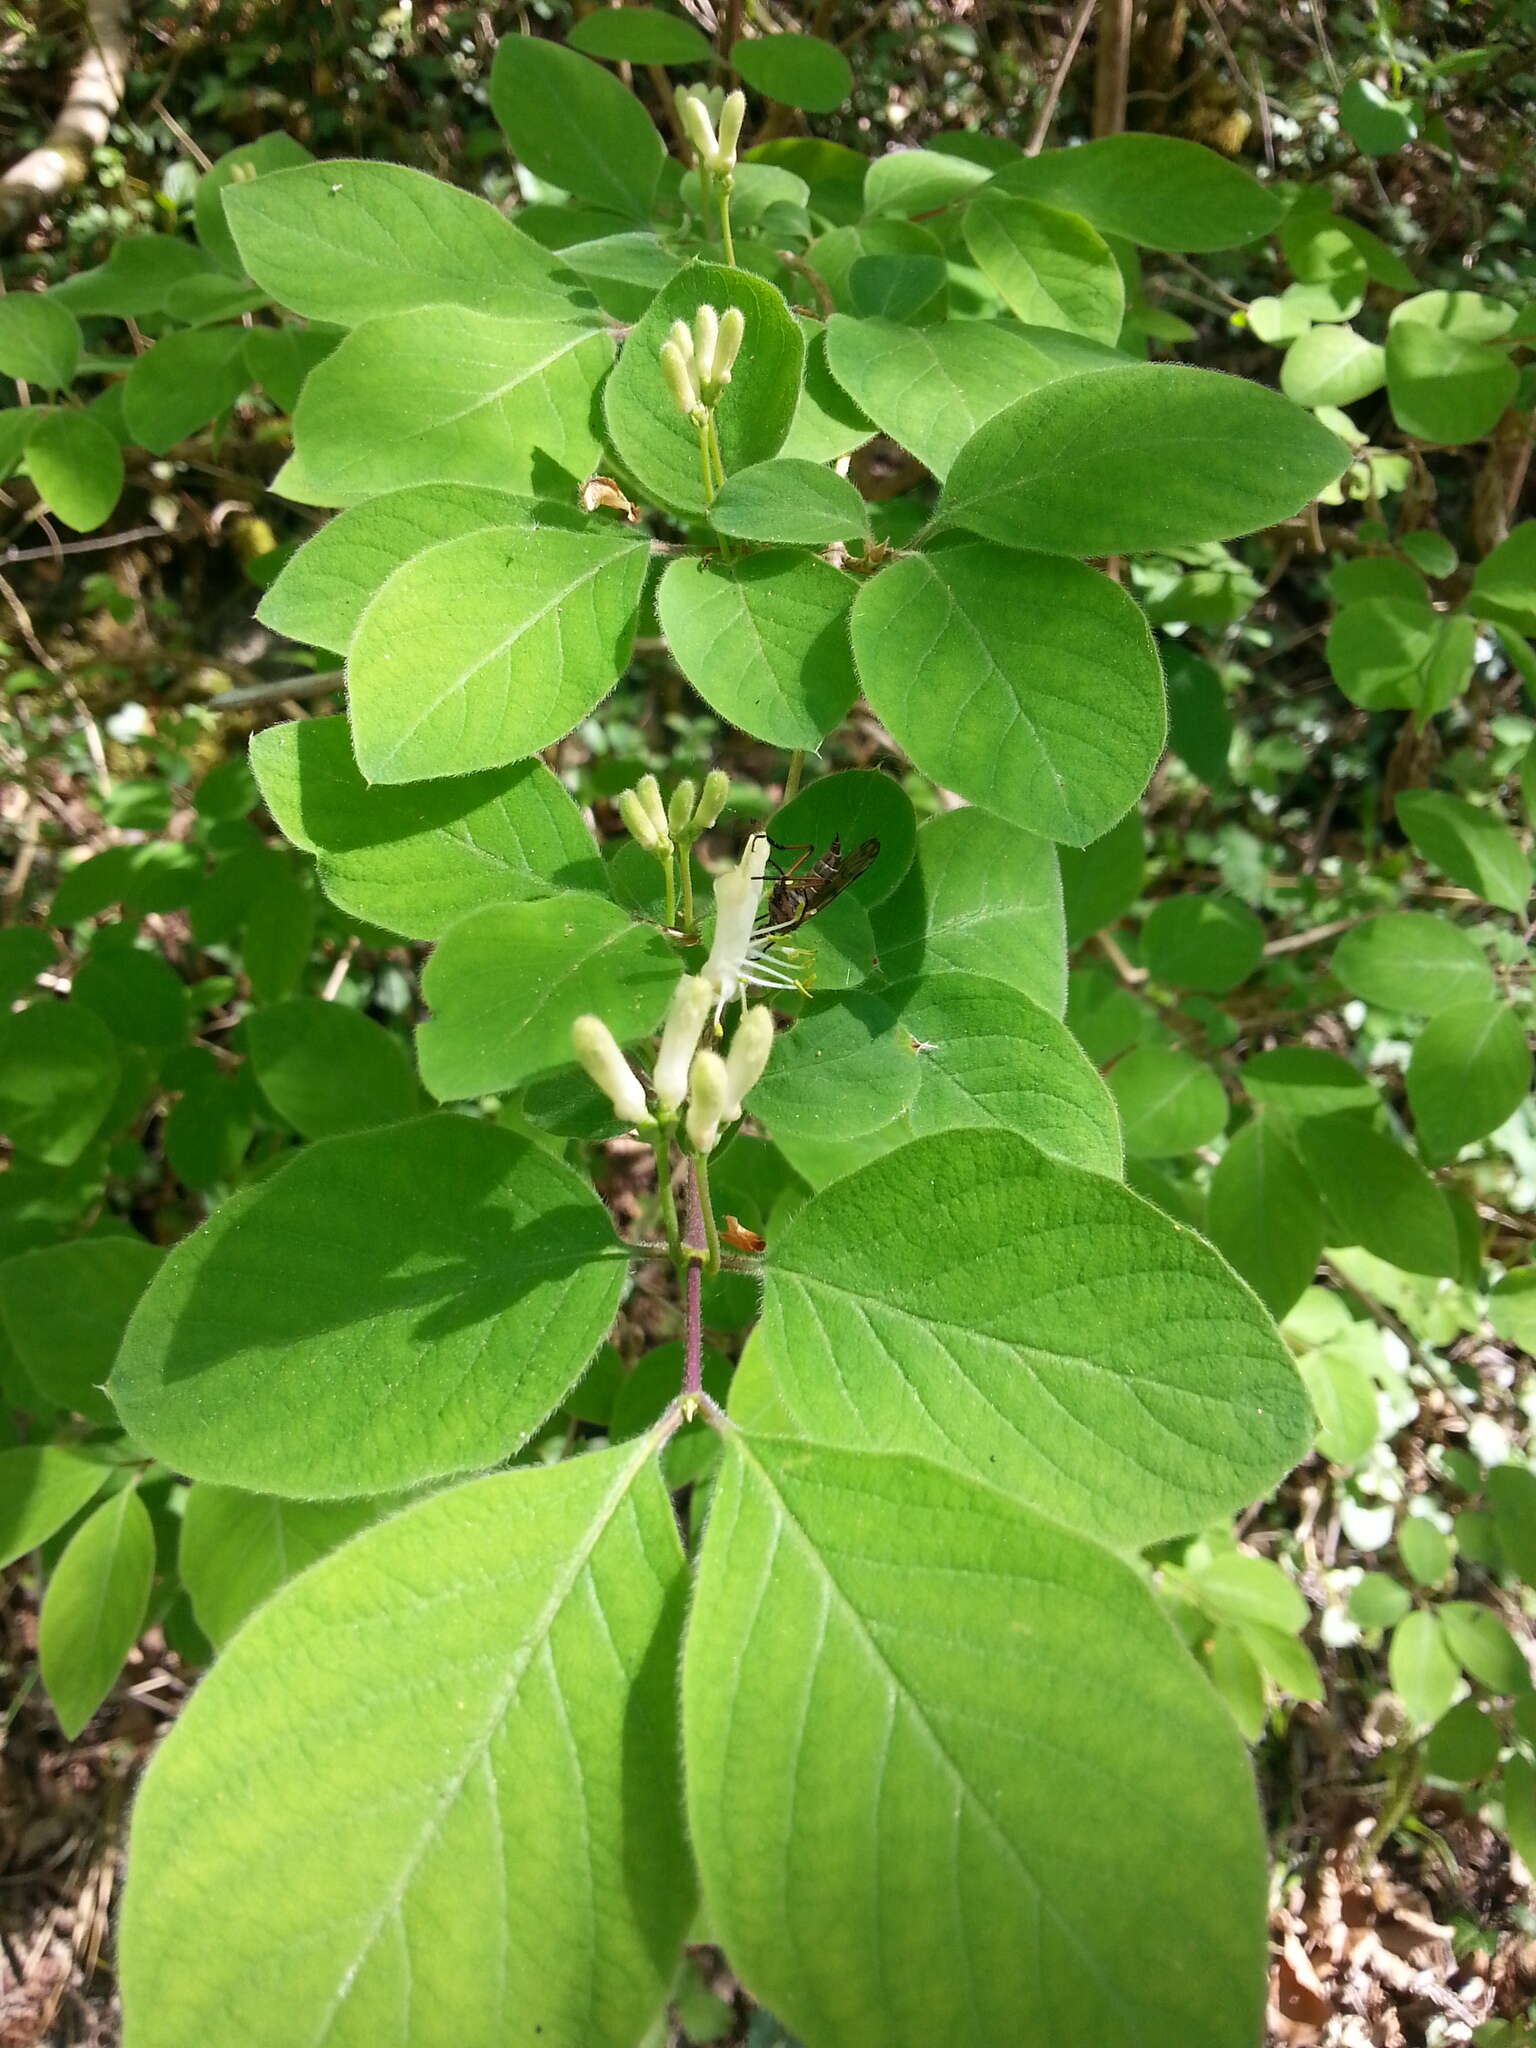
(713, 1088)
(711, 119)
(663, 828)
(696, 361)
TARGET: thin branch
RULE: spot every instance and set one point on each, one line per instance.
(82, 547)
(1047, 113)
(317, 685)
(49, 173)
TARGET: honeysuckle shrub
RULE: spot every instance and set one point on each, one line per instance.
(852, 1631)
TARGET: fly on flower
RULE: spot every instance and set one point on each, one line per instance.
(795, 897)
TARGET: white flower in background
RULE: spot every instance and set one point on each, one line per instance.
(709, 1103)
(691, 1002)
(598, 1050)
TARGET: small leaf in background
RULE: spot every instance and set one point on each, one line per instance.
(1424, 1549)
(1240, 1589)
(508, 981)
(473, 1863)
(1469, 846)
(423, 1295)
(1051, 267)
(137, 994)
(852, 1590)
(1158, 190)
(1484, 1647)
(39, 340)
(1378, 1602)
(1169, 1102)
(65, 1307)
(971, 1276)
(1519, 1790)
(910, 182)
(796, 70)
(1304, 1081)
(182, 383)
(573, 124)
(326, 1069)
(94, 1607)
(1029, 686)
(639, 35)
(764, 641)
(236, 1548)
(484, 649)
(1422, 1669)
(1470, 1070)
(41, 1486)
(1375, 1194)
(59, 1070)
(1236, 1676)
(650, 435)
(1504, 583)
(77, 467)
(1512, 1308)
(1156, 455)
(1375, 123)
(1444, 388)
(1264, 1215)
(1102, 880)
(1512, 1497)
(786, 500)
(1210, 943)
(240, 166)
(1411, 961)
(1332, 366)
(1464, 1744)
(1344, 1396)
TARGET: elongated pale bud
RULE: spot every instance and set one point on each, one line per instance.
(598, 1050)
(733, 326)
(708, 1101)
(682, 334)
(639, 824)
(680, 809)
(712, 798)
(706, 332)
(648, 789)
(748, 1056)
(679, 379)
(698, 127)
(679, 1037)
(733, 111)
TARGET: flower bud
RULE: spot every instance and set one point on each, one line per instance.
(648, 789)
(733, 327)
(638, 823)
(679, 1036)
(680, 809)
(728, 120)
(708, 1101)
(712, 799)
(698, 127)
(682, 334)
(706, 332)
(679, 379)
(598, 1050)
(748, 1056)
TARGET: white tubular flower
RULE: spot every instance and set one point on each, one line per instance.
(679, 1037)
(708, 1101)
(728, 120)
(639, 823)
(748, 1056)
(598, 1050)
(679, 379)
(717, 787)
(648, 790)
(680, 809)
(737, 960)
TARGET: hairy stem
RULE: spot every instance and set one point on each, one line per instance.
(693, 1292)
(725, 227)
(700, 1195)
(685, 874)
(792, 777)
(661, 1145)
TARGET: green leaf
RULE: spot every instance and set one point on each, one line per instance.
(1389, 652)
(423, 1295)
(1236, 1675)
(1153, 189)
(790, 500)
(1030, 686)
(65, 1307)
(25, 953)
(139, 273)
(650, 435)
(1241, 1589)
(858, 804)
(931, 388)
(484, 649)
(1212, 943)
(1344, 1395)
(1373, 122)
(973, 1300)
(324, 589)
(913, 290)
(1471, 316)
(1464, 1744)
(1470, 1070)
(1512, 1497)
(1265, 1216)
(1468, 846)
(1051, 268)
(1411, 961)
(182, 383)
(39, 340)
(505, 1849)
(279, 932)
(573, 124)
(251, 160)
(1378, 1602)
(137, 994)
(1377, 1196)
(1504, 583)
(1157, 455)
(59, 1071)
(1102, 880)
(279, 359)
(846, 1069)
(1429, 551)
(981, 897)
(1169, 1102)
(326, 1069)
(345, 241)
(1512, 1308)
(1444, 388)
(508, 981)
(236, 1548)
(1304, 1081)
(1422, 1669)
(639, 35)
(94, 1607)
(1424, 1549)
(1332, 366)
(907, 182)
(1484, 1647)
(764, 641)
(77, 467)
(623, 272)
(417, 856)
(41, 1486)
(797, 71)
(841, 1591)
(448, 395)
